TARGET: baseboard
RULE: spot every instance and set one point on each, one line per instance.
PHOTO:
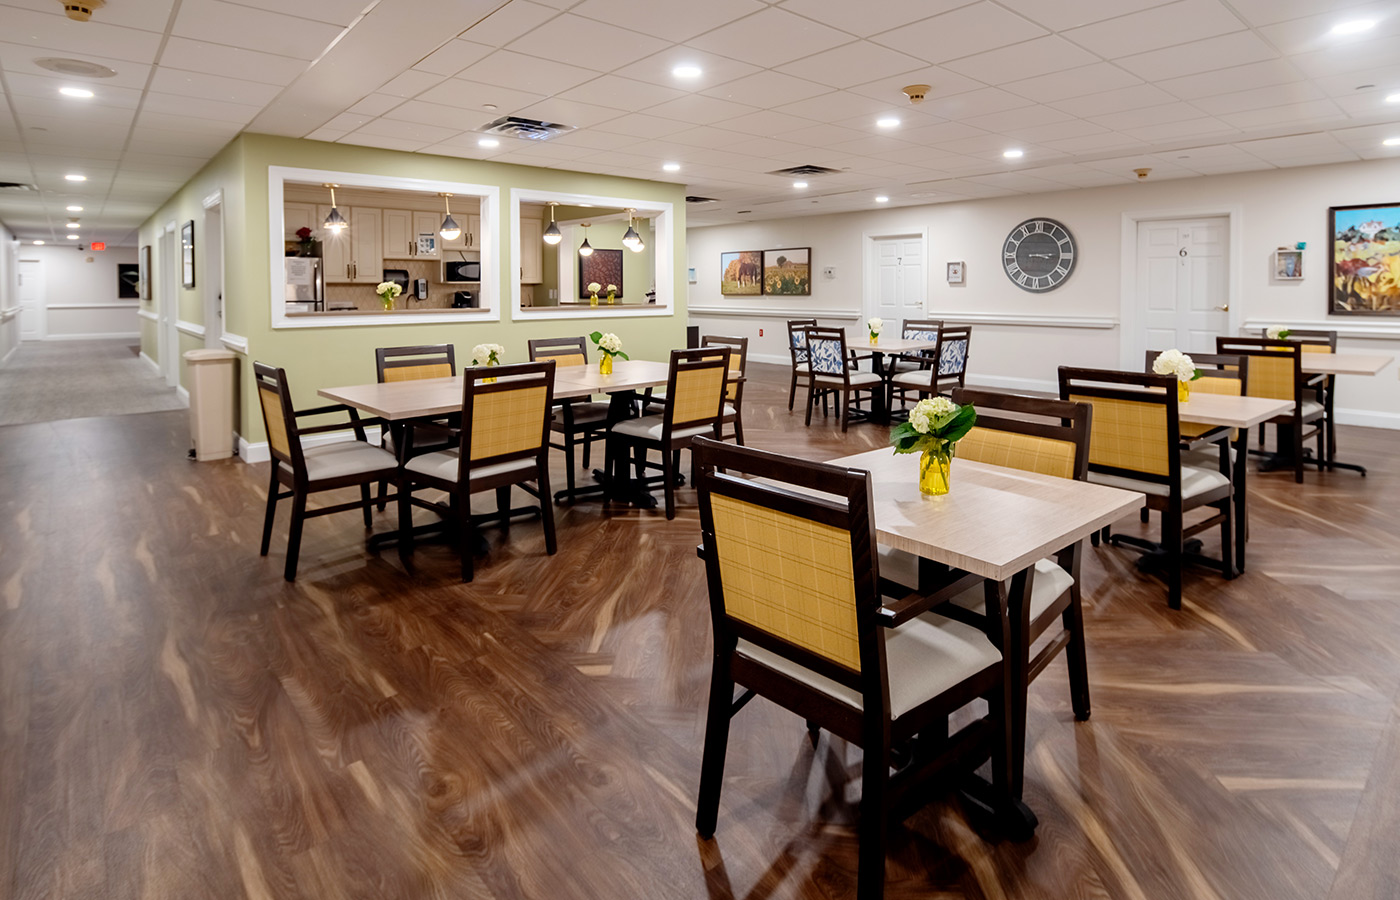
(783, 360)
(99, 336)
(1368, 418)
(259, 453)
(1019, 385)
(183, 394)
(8, 355)
(150, 362)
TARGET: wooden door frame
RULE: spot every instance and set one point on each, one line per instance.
(212, 290)
(871, 272)
(1130, 305)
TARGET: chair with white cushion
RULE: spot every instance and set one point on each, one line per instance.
(935, 378)
(309, 470)
(832, 370)
(1135, 444)
(578, 422)
(1276, 372)
(922, 330)
(797, 346)
(504, 442)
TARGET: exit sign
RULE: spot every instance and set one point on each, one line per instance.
(99, 245)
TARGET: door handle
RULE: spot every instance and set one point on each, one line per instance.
(1225, 308)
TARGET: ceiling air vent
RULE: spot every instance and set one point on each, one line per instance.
(801, 171)
(691, 198)
(80, 67)
(529, 129)
(15, 186)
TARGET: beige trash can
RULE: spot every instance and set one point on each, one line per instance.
(211, 402)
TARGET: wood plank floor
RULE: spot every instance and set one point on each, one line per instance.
(177, 722)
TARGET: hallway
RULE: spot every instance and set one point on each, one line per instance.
(46, 381)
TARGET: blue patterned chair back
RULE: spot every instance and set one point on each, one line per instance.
(952, 353)
(922, 329)
(827, 351)
(797, 335)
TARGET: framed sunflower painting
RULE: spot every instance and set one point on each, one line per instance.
(1365, 260)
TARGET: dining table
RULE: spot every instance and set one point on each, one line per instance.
(1331, 365)
(877, 349)
(995, 522)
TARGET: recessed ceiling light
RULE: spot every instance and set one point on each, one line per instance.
(72, 177)
(888, 122)
(72, 237)
(38, 243)
(882, 199)
(488, 106)
(488, 143)
(671, 167)
(687, 71)
(1393, 98)
(1391, 142)
(1355, 26)
(1014, 154)
(799, 184)
(75, 92)
(75, 225)
(75, 209)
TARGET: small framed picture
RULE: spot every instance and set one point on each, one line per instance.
(144, 283)
(690, 274)
(955, 272)
(1288, 264)
(187, 253)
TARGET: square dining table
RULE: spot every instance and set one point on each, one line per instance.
(880, 404)
(1331, 365)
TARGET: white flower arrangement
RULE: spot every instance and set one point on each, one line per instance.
(608, 343)
(388, 290)
(1174, 362)
(935, 423)
(926, 412)
(487, 354)
(1277, 333)
(612, 289)
(875, 325)
(594, 287)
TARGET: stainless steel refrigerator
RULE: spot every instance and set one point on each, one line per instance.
(306, 284)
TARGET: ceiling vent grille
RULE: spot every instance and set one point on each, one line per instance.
(691, 198)
(805, 171)
(80, 67)
(15, 186)
(529, 129)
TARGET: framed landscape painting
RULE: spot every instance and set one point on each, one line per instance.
(788, 273)
(741, 272)
(1365, 260)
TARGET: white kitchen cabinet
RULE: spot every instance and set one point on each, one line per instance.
(427, 223)
(335, 248)
(470, 238)
(398, 233)
(367, 245)
(296, 216)
(531, 251)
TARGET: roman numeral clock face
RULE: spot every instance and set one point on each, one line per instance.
(1038, 255)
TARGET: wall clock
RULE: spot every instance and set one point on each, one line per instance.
(1038, 255)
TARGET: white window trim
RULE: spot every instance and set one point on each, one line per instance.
(488, 194)
(662, 215)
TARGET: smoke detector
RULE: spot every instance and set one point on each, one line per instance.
(916, 92)
(81, 10)
(1142, 173)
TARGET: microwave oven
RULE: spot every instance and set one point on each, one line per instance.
(461, 271)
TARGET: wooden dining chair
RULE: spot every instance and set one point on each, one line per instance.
(578, 422)
(310, 470)
(394, 364)
(832, 371)
(734, 396)
(1276, 372)
(799, 620)
(797, 345)
(1318, 340)
(924, 330)
(1135, 444)
(944, 369)
(504, 441)
(696, 386)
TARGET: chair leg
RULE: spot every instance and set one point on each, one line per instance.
(503, 505)
(405, 516)
(294, 535)
(716, 744)
(272, 491)
(874, 819)
(669, 478)
(383, 493)
(811, 402)
(1227, 537)
(792, 389)
(1171, 542)
(845, 410)
(588, 439)
(569, 473)
(1145, 515)
(1073, 619)
(466, 532)
(1298, 451)
(738, 428)
(551, 540)
(639, 464)
(368, 500)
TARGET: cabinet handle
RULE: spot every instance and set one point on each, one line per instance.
(347, 270)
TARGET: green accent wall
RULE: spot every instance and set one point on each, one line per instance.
(339, 355)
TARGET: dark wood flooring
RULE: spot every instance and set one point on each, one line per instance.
(178, 722)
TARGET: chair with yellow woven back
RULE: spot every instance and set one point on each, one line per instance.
(1135, 444)
(734, 396)
(503, 442)
(394, 364)
(696, 386)
(308, 470)
(797, 345)
(1276, 372)
(577, 422)
(1318, 340)
(799, 619)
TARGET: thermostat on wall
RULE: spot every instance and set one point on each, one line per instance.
(829, 272)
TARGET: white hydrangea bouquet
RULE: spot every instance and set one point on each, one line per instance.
(934, 428)
(609, 345)
(1174, 362)
(875, 326)
(487, 355)
(612, 292)
(593, 289)
(1277, 333)
(388, 291)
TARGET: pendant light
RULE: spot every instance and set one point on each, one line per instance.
(450, 230)
(631, 240)
(335, 222)
(552, 234)
(585, 249)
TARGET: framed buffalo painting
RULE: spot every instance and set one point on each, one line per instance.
(741, 272)
(1365, 260)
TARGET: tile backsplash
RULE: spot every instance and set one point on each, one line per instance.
(362, 296)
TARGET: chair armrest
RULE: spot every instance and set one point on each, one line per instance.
(322, 410)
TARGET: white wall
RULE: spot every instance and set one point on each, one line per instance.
(1020, 338)
(9, 294)
(80, 292)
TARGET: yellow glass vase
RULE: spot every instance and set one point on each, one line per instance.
(605, 364)
(934, 469)
(874, 339)
(592, 299)
(611, 298)
(1183, 391)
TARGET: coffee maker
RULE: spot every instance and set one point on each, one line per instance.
(463, 300)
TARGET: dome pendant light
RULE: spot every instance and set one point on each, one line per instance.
(552, 234)
(450, 230)
(585, 249)
(631, 239)
(335, 222)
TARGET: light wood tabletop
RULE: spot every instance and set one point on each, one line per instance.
(1345, 363)
(1235, 412)
(627, 374)
(995, 522)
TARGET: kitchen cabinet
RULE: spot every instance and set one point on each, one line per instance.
(398, 234)
(531, 251)
(335, 248)
(427, 223)
(296, 216)
(470, 238)
(356, 255)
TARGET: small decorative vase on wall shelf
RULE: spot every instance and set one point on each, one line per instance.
(934, 469)
(605, 364)
(611, 298)
(592, 299)
(1183, 391)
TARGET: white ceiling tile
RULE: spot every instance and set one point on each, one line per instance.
(1227, 81)
(410, 83)
(715, 69)
(621, 93)
(212, 87)
(376, 105)
(1264, 12)
(253, 29)
(406, 131)
(44, 30)
(334, 12)
(472, 95)
(1121, 100)
(1385, 80)
(766, 89)
(1314, 32)
(1188, 128)
(1290, 146)
(329, 135)
(771, 38)
(973, 103)
(231, 62)
(769, 149)
(835, 107)
(1030, 59)
(962, 32)
(1105, 143)
(452, 57)
(583, 42)
(705, 137)
(1001, 122)
(1311, 114)
(674, 22)
(641, 125)
(531, 74)
(1338, 60)
(1259, 98)
(45, 90)
(1153, 29)
(852, 64)
(348, 122)
(1054, 131)
(1201, 56)
(40, 110)
(569, 112)
(769, 123)
(598, 140)
(510, 21)
(200, 109)
(940, 132)
(865, 19)
(1062, 15)
(1091, 79)
(698, 109)
(18, 61)
(149, 118)
(1366, 105)
(421, 112)
(1147, 115)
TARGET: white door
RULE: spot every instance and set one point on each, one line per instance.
(1183, 283)
(32, 326)
(899, 282)
(212, 275)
